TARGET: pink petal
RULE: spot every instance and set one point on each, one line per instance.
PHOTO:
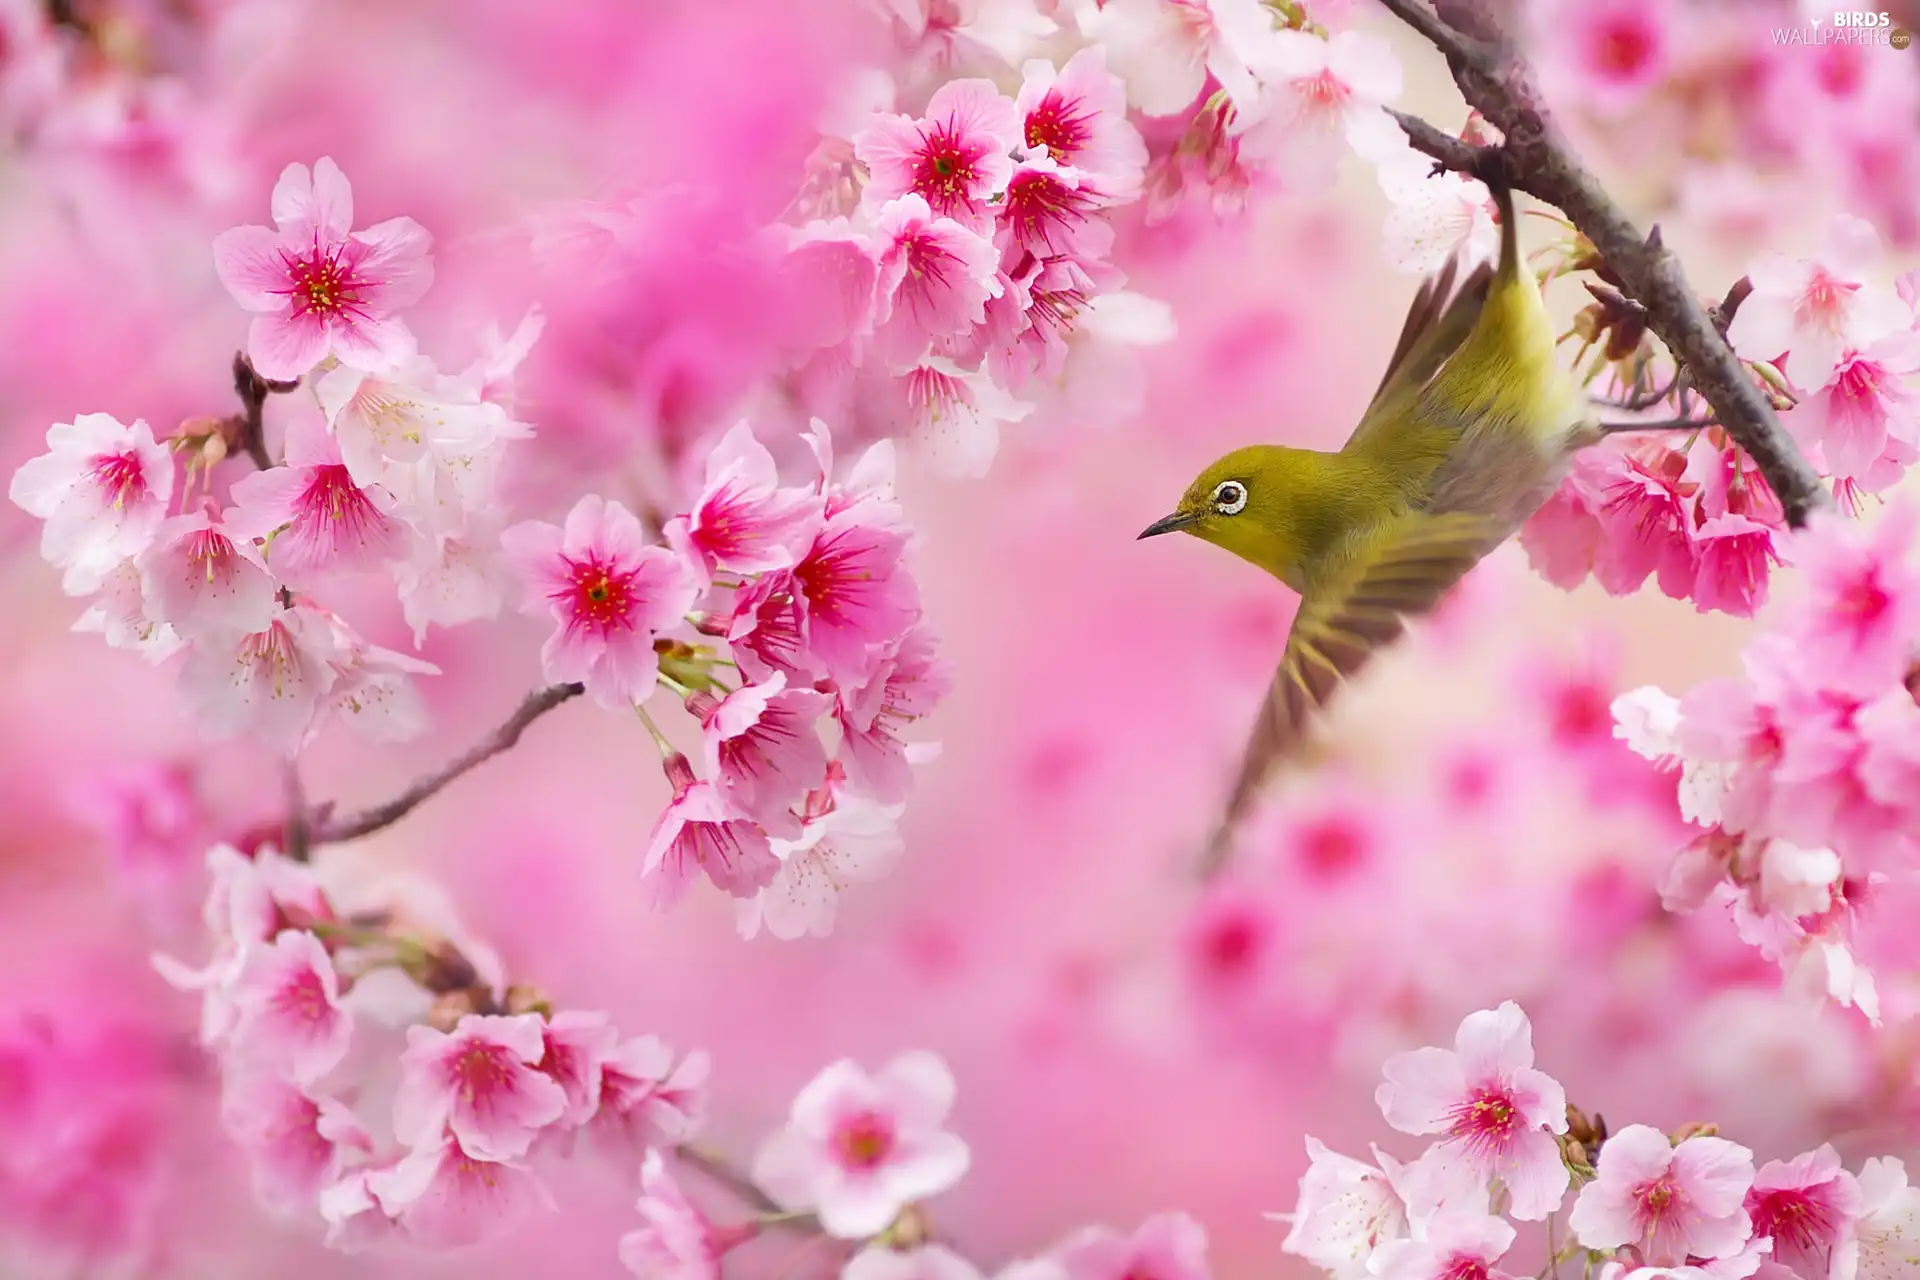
(378, 345)
(248, 262)
(399, 266)
(1422, 1088)
(286, 347)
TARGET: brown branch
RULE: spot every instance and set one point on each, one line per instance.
(330, 830)
(719, 1170)
(1497, 82)
(248, 430)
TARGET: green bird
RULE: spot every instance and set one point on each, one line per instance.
(1471, 430)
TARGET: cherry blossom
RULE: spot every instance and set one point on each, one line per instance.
(852, 841)
(1669, 1201)
(856, 596)
(102, 488)
(1863, 603)
(858, 1149)
(297, 1142)
(931, 1262)
(956, 415)
(907, 684)
(699, 831)
(744, 522)
(1347, 1209)
(676, 1242)
(1077, 116)
(953, 158)
(1453, 1246)
(289, 1015)
(1172, 1245)
(1496, 1112)
(1868, 413)
(269, 683)
(935, 278)
(479, 1084)
(204, 578)
(1165, 50)
(763, 752)
(1814, 310)
(608, 591)
(649, 1096)
(1807, 1206)
(1321, 96)
(1884, 1235)
(322, 289)
(314, 516)
(444, 1198)
(576, 1047)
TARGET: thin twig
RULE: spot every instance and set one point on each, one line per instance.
(299, 825)
(1534, 158)
(366, 822)
(250, 427)
(717, 1168)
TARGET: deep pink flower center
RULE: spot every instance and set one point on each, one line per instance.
(1624, 47)
(600, 595)
(120, 477)
(211, 553)
(1795, 1220)
(1658, 1203)
(932, 394)
(304, 998)
(1863, 601)
(1230, 944)
(1841, 70)
(1060, 125)
(332, 497)
(836, 578)
(325, 281)
(270, 653)
(1826, 299)
(1464, 1266)
(480, 1071)
(1332, 846)
(1055, 310)
(1039, 206)
(1488, 1120)
(1582, 711)
(945, 172)
(864, 1140)
(1325, 92)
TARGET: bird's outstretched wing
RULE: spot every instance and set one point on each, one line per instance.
(1443, 313)
(1401, 571)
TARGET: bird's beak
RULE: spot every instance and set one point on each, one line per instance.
(1169, 524)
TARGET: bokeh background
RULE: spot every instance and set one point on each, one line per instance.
(1124, 1043)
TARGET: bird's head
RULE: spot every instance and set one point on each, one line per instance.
(1246, 502)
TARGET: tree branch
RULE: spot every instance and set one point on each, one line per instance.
(1535, 158)
(330, 830)
(248, 431)
(717, 1168)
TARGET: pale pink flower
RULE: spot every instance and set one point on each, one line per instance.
(1564, 538)
(1863, 601)
(856, 595)
(1169, 1246)
(1077, 115)
(1453, 1246)
(700, 831)
(480, 1083)
(1816, 310)
(373, 690)
(289, 1015)
(1437, 217)
(955, 157)
(857, 1149)
(1047, 212)
(315, 516)
(1871, 402)
(853, 841)
(1322, 96)
(745, 522)
(321, 288)
(1497, 1113)
(676, 1242)
(763, 749)
(1669, 1202)
(445, 1198)
(830, 262)
(1886, 1236)
(908, 683)
(576, 1046)
(1889, 766)
(102, 488)
(355, 1221)
(929, 1262)
(1752, 1260)
(204, 577)
(1347, 1209)
(954, 415)
(936, 276)
(1607, 56)
(123, 618)
(270, 683)
(296, 1141)
(1808, 1207)
(649, 1097)
(1165, 50)
(608, 591)
(450, 579)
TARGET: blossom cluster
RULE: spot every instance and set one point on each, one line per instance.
(1801, 775)
(378, 1073)
(1508, 1148)
(1838, 347)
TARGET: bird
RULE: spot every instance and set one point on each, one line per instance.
(1472, 427)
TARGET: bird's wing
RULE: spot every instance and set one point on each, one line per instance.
(1443, 313)
(1403, 570)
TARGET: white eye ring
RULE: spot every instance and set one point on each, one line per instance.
(1230, 497)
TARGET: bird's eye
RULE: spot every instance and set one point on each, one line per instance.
(1229, 497)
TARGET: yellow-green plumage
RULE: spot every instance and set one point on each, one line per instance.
(1470, 431)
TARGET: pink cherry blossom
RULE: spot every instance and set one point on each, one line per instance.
(933, 1262)
(936, 276)
(123, 618)
(852, 841)
(1670, 1202)
(1816, 310)
(649, 1097)
(1047, 212)
(763, 750)
(699, 831)
(1807, 1206)
(955, 157)
(102, 488)
(1496, 1112)
(831, 260)
(856, 594)
(1077, 115)
(1172, 1246)
(204, 577)
(1321, 97)
(289, 1015)
(1607, 56)
(480, 1084)
(322, 289)
(445, 1198)
(1347, 1209)
(1887, 1232)
(295, 1140)
(857, 1149)
(1453, 1246)
(270, 683)
(907, 684)
(608, 591)
(315, 517)
(1863, 602)
(766, 629)
(576, 1046)
(1165, 50)
(955, 415)
(355, 1221)
(745, 522)
(676, 1241)
(1869, 405)
(450, 579)
(1435, 216)
(373, 690)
